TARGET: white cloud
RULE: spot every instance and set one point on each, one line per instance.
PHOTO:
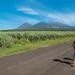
(68, 18)
(27, 10)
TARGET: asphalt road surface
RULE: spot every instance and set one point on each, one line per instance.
(55, 60)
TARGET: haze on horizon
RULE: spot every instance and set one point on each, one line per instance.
(16, 12)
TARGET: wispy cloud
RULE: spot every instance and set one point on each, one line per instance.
(27, 10)
(64, 17)
(68, 18)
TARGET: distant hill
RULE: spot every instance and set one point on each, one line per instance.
(24, 26)
(46, 26)
(55, 25)
(40, 25)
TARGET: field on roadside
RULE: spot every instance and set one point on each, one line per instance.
(20, 41)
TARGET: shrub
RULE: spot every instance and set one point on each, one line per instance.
(5, 41)
(16, 35)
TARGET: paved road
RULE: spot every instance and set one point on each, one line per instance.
(55, 60)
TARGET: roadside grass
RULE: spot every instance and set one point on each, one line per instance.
(20, 48)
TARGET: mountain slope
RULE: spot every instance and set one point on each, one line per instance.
(55, 25)
(44, 25)
(41, 25)
(59, 25)
(24, 26)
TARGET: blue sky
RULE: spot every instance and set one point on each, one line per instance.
(16, 12)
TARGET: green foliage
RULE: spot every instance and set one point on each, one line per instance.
(5, 41)
(16, 35)
(9, 38)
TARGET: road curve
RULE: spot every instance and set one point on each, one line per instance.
(55, 60)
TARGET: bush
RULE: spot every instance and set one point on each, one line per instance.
(21, 41)
(16, 35)
(5, 41)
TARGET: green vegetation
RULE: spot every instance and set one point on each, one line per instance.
(16, 42)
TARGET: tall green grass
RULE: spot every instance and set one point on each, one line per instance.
(8, 39)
